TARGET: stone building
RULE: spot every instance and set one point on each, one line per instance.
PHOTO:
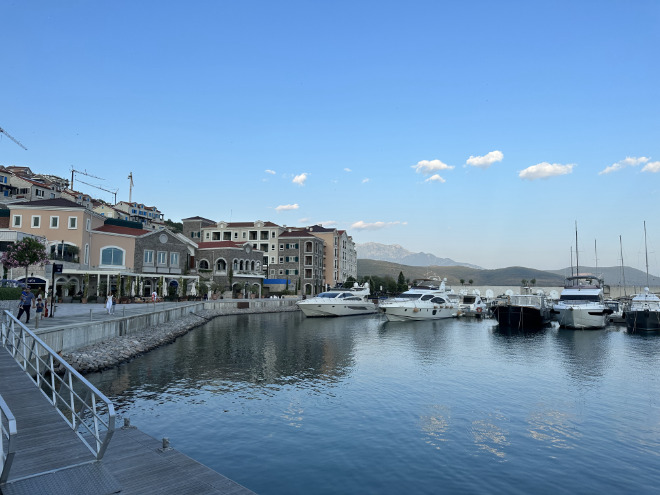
(230, 266)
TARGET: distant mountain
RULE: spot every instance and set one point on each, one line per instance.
(397, 254)
(503, 276)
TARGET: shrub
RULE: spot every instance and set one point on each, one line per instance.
(10, 293)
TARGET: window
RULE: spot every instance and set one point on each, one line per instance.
(36, 221)
(203, 265)
(18, 220)
(112, 256)
(281, 259)
(39, 193)
(73, 222)
(86, 254)
(162, 258)
(54, 222)
(281, 247)
(148, 257)
(174, 259)
(88, 225)
(235, 235)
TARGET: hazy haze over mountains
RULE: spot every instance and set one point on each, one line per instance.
(397, 254)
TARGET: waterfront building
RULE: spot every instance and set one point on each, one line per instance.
(192, 227)
(230, 266)
(299, 261)
(340, 254)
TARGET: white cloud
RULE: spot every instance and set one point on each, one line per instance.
(329, 223)
(435, 178)
(360, 225)
(271, 172)
(652, 167)
(365, 180)
(629, 161)
(300, 179)
(287, 207)
(485, 161)
(347, 169)
(427, 167)
(304, 220)
(545, 170)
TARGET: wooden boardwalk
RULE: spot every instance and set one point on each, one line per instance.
(51, 459)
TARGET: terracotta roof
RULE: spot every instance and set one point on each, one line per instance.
(297, 233)
(199, 218)
(220, 244)
(116, 229)
(54, 202)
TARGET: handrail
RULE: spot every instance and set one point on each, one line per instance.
(86, 410)
(8, 433)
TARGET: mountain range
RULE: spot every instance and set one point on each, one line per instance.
(398, 254)
(380, 260)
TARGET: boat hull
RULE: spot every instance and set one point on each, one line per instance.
(405, 313)
(521, 317)
(581, 317)
(643, 321)
(314, 310)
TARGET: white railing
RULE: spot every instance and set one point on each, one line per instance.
(87, 411)
(7, 436)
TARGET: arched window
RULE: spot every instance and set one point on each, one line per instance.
(252, 265)
(221, 265)
(203, 265)
(235, 263)
(112, 256)
(241, 267)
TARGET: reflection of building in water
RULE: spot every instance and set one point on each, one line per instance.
(586, 354)
(235, 352)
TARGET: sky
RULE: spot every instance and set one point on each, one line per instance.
(480, 131)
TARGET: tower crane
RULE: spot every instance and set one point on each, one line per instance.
(2, 131)
(82, 173)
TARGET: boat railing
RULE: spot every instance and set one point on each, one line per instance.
(85, 409)
(7, 440)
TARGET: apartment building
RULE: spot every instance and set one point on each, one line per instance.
(340, 254)
(300, 261)
(149, 216)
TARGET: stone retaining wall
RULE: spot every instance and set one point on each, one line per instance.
(129, 342)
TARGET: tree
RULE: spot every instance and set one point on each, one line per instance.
(401, 285)
(533, 281)
(25, 252)
(524, 282)
(462, 281)
(470, 281)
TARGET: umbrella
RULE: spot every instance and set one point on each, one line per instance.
(193, 291)
(133, 288)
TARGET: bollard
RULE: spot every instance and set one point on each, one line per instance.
(90, 315)
(127, 422)
(124, 311)
(36, 321)
(166, 443)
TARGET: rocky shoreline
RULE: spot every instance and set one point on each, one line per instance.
(111, 353)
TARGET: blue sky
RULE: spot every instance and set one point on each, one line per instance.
(479, 131)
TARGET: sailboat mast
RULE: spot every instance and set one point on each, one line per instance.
(647, 256)
(623, 272)
(596, 254)
(577, 255)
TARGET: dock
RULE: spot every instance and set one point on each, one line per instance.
(49, 457)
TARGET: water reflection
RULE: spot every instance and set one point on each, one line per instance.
(235, 354)
(553, 427)
(435, 425)
(490, 435)
(585, 354)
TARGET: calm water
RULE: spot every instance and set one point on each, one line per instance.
(288, 405)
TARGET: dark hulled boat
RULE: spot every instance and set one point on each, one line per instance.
(523, 311)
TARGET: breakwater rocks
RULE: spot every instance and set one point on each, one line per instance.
(110, 353)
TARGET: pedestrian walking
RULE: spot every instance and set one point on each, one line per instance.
(27, 299)
(108, 303)
(40, 308)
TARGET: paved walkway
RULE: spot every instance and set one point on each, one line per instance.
(72, 313)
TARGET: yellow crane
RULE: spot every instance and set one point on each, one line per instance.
(2, 131)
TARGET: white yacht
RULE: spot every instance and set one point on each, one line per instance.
(643, 315)
(339, 301)
(472, 305)
(581, 304)
(425, 300)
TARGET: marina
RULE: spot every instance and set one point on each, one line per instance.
(363, 405)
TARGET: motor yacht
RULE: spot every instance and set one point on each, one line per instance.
(426, 300)
(339, 301)
(581, 304)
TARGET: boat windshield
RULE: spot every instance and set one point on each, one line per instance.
(330, 295)
(580, 297)
(406, 295)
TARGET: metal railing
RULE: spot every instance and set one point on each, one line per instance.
(7, 436)
(86, 410)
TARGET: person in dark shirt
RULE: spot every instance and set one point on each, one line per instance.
(27, 299)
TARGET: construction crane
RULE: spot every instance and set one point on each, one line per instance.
(2, 131)
(82, 173)
(102, 189)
